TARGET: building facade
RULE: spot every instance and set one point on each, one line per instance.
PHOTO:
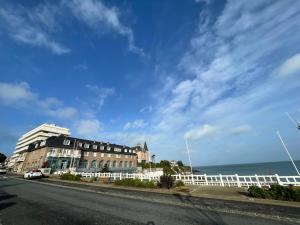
(64, 153)
(142, 153)
(39, 133)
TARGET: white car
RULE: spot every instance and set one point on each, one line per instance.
(33, 174)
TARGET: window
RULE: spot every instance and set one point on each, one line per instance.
(108, 155)
(95, 154)
(43, 143)
(114, 164)
(80, 144)
(66, 142)
(120, 164)
(126, 164)
(108, 148)
(94, 164)
(101, 147)
(94, 146)
(86, 145)
(130, 164)
(133, 151)
(36, 145)
(117, 149)
(125, 150)
(126, 156)
(108, 163)
(83, 164)
(86, 154)
(129, 150)
(101, 164)
(102, 155)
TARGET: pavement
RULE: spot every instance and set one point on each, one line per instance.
(41, 202)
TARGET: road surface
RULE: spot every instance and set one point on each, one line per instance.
(23, 202)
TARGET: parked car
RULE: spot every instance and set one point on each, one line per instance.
(33, 174)
(2, 171)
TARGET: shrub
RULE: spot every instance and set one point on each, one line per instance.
(68, 176)
(166, 181)
(135, 183)
(276, 192)
(178, 183)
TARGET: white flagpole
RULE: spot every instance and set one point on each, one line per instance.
(188, 151)
(284, 146)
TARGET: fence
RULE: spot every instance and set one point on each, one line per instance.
(120, 176)
(238, 181)
(207, 180)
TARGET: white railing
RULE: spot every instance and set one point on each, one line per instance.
(206, 180)
(238, 181)
(120, 176)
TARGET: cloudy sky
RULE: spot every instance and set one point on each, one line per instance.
(222, 74)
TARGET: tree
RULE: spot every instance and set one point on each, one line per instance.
(180, 163)
(2, 157)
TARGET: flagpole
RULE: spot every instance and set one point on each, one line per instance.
(188, 151)
(287, 151)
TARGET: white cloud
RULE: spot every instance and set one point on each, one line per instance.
(136, 124)
(97, 15)
(16, 93)
(88, 128)
(31, 27)
(289, 67)
(206, 130)
(101, 94)
(240, 129)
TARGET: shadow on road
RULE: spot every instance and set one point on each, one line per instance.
(5, 196)
(197, 214)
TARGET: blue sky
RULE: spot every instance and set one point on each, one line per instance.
(222, 74)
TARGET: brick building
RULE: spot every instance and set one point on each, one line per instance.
(63, 152)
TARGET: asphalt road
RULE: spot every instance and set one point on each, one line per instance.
(23, 202)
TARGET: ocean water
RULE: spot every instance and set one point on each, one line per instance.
(283, 168)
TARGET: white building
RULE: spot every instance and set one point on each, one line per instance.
(41, 132)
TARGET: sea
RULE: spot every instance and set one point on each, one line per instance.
(283, 168)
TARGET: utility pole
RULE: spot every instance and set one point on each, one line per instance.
(287, 151)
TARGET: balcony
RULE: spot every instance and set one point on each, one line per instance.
(64, 155)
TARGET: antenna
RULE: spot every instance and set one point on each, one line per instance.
(287, 151)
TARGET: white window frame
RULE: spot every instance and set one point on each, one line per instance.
(86, 145)
(95, 146)
(101, 147)
(66, 142)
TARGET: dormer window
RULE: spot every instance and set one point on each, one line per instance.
(43, 143)
(133, 151)
(66, 142)
(125, 150)
(94, 146)
(108, 148)
(129, 150)
(101, 147)
(80, 144)
(36, 145)
(86, 145)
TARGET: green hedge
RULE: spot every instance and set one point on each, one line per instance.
(68, 176)
(135, 183)
(276, 192)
